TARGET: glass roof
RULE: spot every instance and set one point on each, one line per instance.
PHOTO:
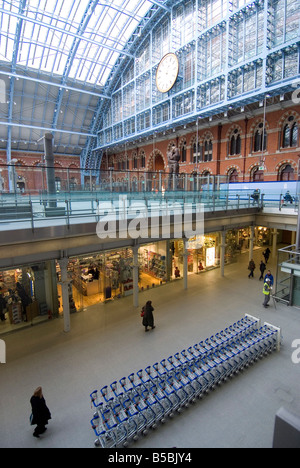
(76, 39)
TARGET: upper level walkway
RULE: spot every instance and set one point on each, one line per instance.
(40, 227)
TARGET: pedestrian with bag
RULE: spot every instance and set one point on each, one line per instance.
(40, 412)
(147, 314)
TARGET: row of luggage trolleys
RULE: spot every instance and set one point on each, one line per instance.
(133, 405)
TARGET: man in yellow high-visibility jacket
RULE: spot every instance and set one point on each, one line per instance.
(267, 292)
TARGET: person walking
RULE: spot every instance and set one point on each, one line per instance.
(262, 268)
(266, 254)
(251, 267)
(40, 412)
(267, 292)
(148, 319)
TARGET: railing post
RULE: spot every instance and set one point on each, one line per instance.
(280, 202)
(68, 214)
(31, 218)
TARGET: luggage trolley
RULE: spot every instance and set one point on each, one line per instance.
(146, 417)
(160, 404)
(191, 390)
(134, 414)
(223, 361)
(128, 431)
(104, 438)
(95, 399)
(172, 398)
(108, 395)
(196, 368)
(193, 378)
(152, 372)
(110, 433)
(178, 387)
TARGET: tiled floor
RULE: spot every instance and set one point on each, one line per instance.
(107, 342)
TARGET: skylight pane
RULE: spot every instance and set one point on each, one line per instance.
(63, 37)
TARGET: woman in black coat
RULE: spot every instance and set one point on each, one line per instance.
(148, 320)
(40, 412)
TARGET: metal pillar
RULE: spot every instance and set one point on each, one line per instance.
(222, 252)
(63, 263)
(135, 272)
(274, 243)
(185, 265)
(50, 172)
(251, 244)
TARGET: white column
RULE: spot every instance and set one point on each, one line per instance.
(63, 263)
(274, 243)
(251, 243)
(185, 265)
(222, 252)
(135, 274)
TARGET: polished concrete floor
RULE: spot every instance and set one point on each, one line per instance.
(107, 342)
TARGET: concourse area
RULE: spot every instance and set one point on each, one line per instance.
(112, 344)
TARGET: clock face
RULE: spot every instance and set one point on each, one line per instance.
(167, 72)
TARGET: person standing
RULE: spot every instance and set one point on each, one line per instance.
(148, 319)
(262, 268)
(270, 277)
(25, 299)
(267, 292)
(40, 412)
(251, 267)
(2, 307)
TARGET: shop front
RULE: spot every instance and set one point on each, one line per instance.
(26, 296)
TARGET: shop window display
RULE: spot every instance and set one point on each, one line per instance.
(203, 254)
(101, 277)
(23, 297)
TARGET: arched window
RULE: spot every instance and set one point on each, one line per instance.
(233, 175)
(196, 155)
(57, 184)
(207, 150)
(260, 138)
(286, 172)
(235, 143)
(256, 175)
(143, 159)
(183, 152)
(290, 133)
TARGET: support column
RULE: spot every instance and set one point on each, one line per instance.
(251, 243)
(222, 252)
(63, 263)
(50, 171)
(168, 261)
(135, 276)
(274, 243)
(185, 265)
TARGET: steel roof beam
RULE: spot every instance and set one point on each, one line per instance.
(57, 85)
(80, 31)
(46, 129)
(64, 32)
